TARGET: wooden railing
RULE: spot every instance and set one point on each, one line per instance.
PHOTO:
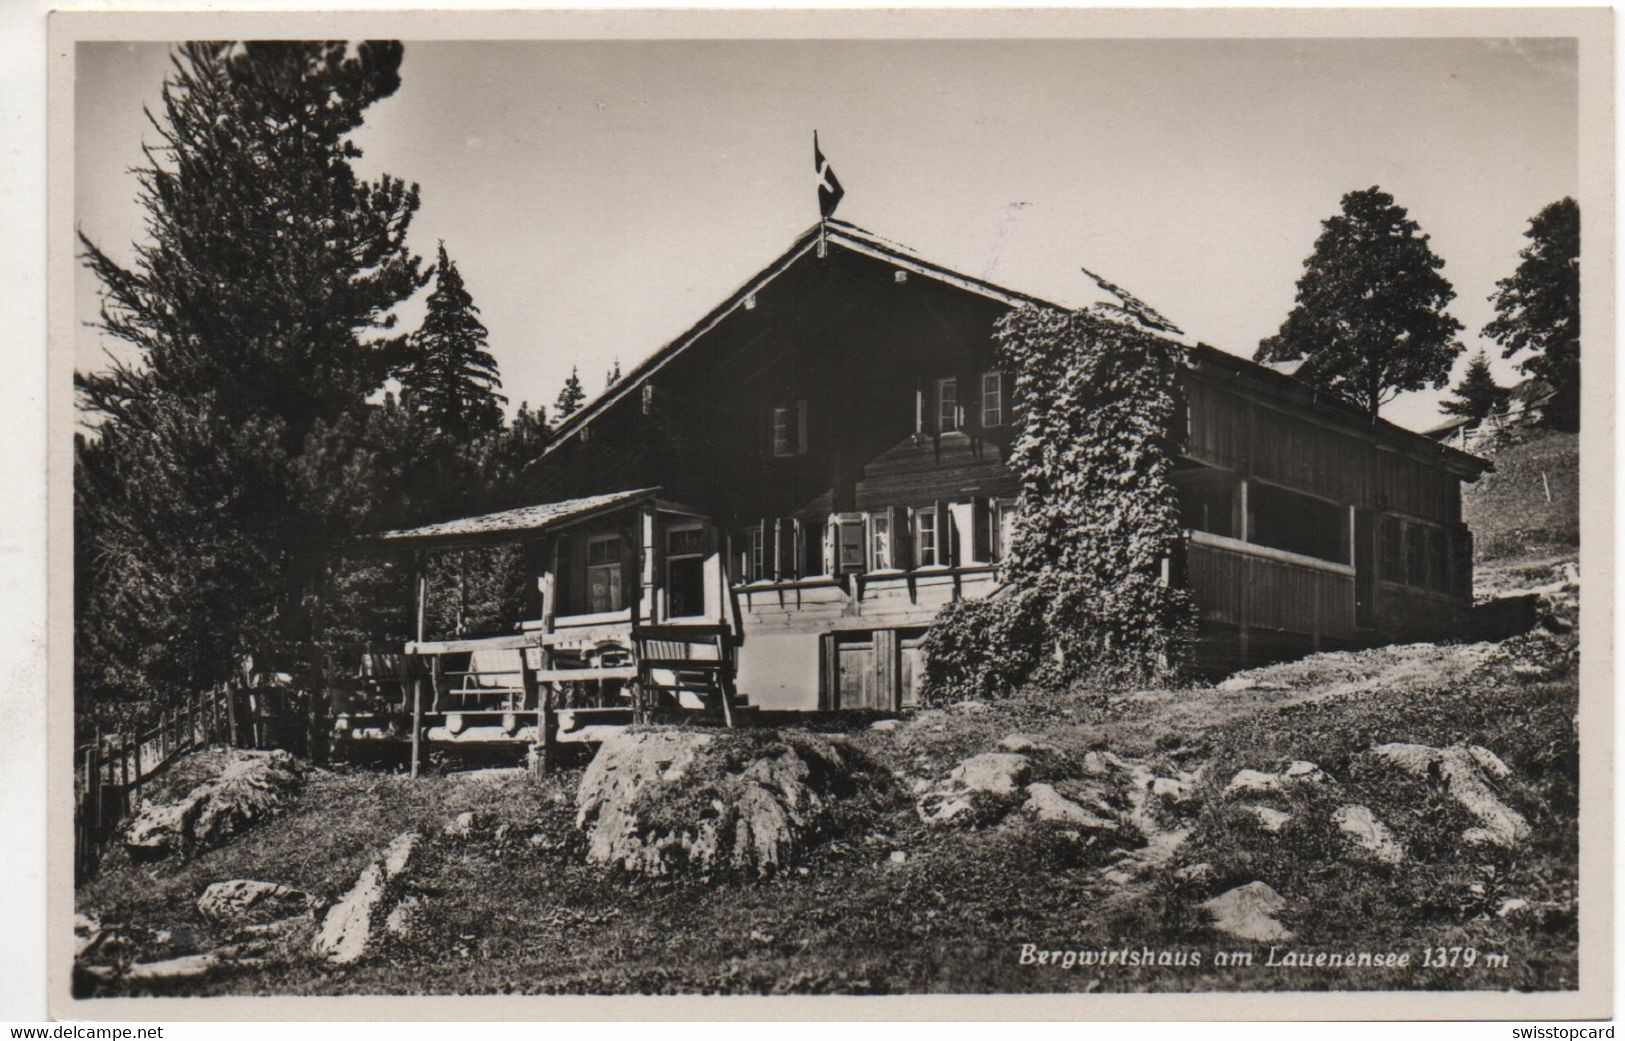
(1244, 584)
(110, 771)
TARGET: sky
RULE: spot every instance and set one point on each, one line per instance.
(599, 197)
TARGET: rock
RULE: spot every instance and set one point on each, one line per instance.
(930, 719)
(1046, 804)
(940, 809)
(247, 901)
(1252, 782)
(769, 793)
(87, 931)
(998, 773)
(1257, 782)
(970, 707)
(1489, 762)
(248, 786)
(1513, 906)
(885, 724)
(1198, 873)
(404, 919)
(1302, 771)
(1458, 772)
(1245, 682)
(1248, 913)
(460, 826)
(188, 968)
(1024, 743)
(899, 857)
(1172, 791)
(1271, 820)
(347, 931)
(918, 785)
(1368, 833)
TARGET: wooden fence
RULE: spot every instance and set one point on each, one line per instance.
(111, 770)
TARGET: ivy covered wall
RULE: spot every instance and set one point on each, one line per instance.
(1097, 515)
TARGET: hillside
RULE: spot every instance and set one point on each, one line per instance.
(1128, 814)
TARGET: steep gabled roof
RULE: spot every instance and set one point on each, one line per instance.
(839, 234)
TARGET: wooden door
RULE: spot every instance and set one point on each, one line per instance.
(855, 684)
(911, 669)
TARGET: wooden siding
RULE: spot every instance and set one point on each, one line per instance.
(1243, 588)
(1230, 430)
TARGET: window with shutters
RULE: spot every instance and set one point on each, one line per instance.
(790, 429)
(925, 537)
(992, 399)
(1001, 516)
(947, 405)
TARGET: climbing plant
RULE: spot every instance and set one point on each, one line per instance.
(1097, 516)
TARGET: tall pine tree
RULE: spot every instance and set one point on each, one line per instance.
(613, 376)
(1477, 396)
(1370, 319)
(570, 397)
(259, 309)
(1538, 309)
(450, 377)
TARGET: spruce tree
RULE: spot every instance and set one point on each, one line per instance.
(1477, 396)
(259, 306)
(570, 397)
(1370, 319)
(1538, 309)
(613, 376)
(450, 377)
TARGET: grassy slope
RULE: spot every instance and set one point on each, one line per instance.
(522, 916)
(1509, 509)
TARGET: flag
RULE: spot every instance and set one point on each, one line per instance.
(829, 186)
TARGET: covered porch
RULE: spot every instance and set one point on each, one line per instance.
(626, 615)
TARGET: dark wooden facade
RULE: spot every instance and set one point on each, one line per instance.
(829, 446)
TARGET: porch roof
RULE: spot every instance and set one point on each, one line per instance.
(501, 526)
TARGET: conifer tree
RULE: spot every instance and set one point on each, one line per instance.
(1370, 319)
(1477, 396)
(450, 377)
(570, 397)
(1538, 309)
(259, 307)
(613, 376)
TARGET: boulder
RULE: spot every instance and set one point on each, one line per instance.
(1024, 743)
(346, 932)
(1268, 818)
(885, 724)
(1173, 791)
(657, 801)
(244, 901)
(1046, 804)
(997, 773)
(949, 808)
(247, 787)
(1489, 762)
(461, 826)
(1257, 782)
(1248, 913)
(405, 919)
(1368, 834)
(1457, 771)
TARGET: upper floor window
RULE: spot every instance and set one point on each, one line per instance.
(880, 557)
(947, 404)
(925, 537)
(790, 429)
(992, 399)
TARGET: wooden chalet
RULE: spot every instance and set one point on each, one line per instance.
(768, 512)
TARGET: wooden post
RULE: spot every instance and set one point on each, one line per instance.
(421, 576)
(417, 721)
(231, 715)
(646, 592)
(124, 772)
